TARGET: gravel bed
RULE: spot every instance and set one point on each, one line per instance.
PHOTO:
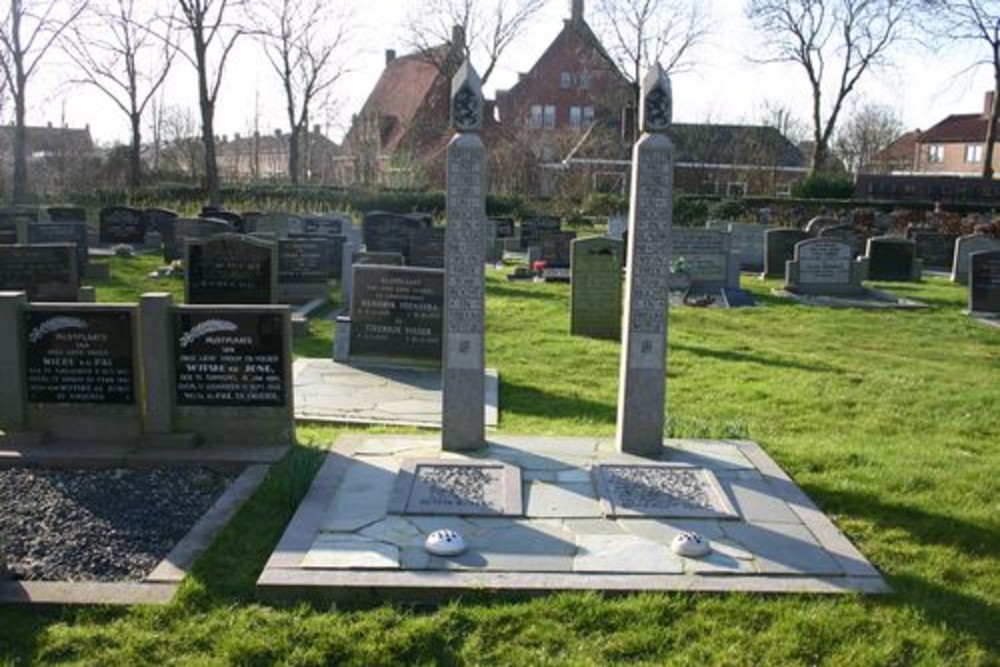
(111, 524)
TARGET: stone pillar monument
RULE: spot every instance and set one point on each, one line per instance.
(463, 422)
(643, 371)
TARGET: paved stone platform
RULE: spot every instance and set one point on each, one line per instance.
(352, 541)
(871, 299)
(328, 391)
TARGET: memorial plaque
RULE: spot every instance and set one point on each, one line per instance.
(120, 224)
(46, 272)
(555, 247)
(397, 312)
(79, 356)
(533, 228)
(231, 269)
(335, 251)
(936, 249)
(230, 359)
(457, 488)
(320, 225)
(391, 232)
(427, 247)
(891, 258)
(504, 227)
(984, 282)
(303, 261)
(67, 213)
(705, 253)
(826, 262)
(596, 292)
(661, 490)
(74, 233)
(779, 247)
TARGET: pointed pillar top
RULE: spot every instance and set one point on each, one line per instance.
(466, 99)
(657, 104)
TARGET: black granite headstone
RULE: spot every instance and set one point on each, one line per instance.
(397, 313)
(231, 269)
(936, 249)
(334, 254)
(556, 249)
(779, 247)
(75, 356)
(303, 261)
(13, 215)
(67, 213)
(46, 272)
(533, 228)
(181, 231)
(427, 248)
(847, 234)
(984, 282)
(235, 220)
(75, 233)
(319, 225)
(121, 224)
(230, 359)
(391, 232)
(158, 220)
(890, 258)
(505, 227)
(8, 233)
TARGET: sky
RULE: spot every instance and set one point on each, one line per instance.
(725, 86)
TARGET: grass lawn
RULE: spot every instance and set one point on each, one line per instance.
(889, 420)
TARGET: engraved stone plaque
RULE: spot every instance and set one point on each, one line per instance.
(825, 262)
(661, 490)
(440, 486)
(705, 253)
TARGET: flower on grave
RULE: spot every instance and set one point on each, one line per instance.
(538, 266)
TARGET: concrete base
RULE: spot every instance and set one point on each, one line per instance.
(346, 544)
(712, 298)
(872, 299)
(989, 319)
(328, 391)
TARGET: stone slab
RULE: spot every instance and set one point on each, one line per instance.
(648, 490)
(778, 542)
(443, 486)
(866, 299)
(332, 392)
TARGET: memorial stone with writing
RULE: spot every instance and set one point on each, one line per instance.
(121, 224)
(936, 249)
(303, 269)
(230, 359)
(75, 233)
(47, 272)
(160, 221)
(555, 248)
(186, 230)
(231, 269)
(234, 220)
(67, 213)
(824, 267)
(278, 224)
(779, 247)
(331, 224)
(392, 232)
(75, 356)
(984, 282)
(706, 256)
(427, 247)
(596, 292)
(965, 246)
(533, 228)
(335, 252)
(396, 313)
(748, 243)
(846, 233)
(893, 258)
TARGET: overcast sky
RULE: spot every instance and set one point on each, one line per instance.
(725, 87)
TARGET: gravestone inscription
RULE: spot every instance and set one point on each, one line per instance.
(705, 255)
(47, 272)
(532, 230)
(229, 359)
(936, 249)
(596, 292)
(74, 233)
(846, 233)
(335, 251)
(892, 258)
(121, 224)
(555, 249)
(427, 247)
(984, 282)
(75, 356)
(779, 247)
(303, 269)
(391, 232)
(324, 225)
(824, 266)
(231, 269)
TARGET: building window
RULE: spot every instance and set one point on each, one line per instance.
(575, 117)
(588, 115)
(565, 80)
(584, 80)
(974, 153)
(549, 119)
(783, 190)
(736, 189)
(935, 153)
(536, 116)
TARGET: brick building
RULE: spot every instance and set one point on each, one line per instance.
(957, 145)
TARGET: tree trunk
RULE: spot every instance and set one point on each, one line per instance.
(293, 155)
(135, 155)
(207, 106)
(991, 130)
(819, 156)
(20, 193)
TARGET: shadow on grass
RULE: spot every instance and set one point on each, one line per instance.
(525, 400)
(732, 355)
(541, 294)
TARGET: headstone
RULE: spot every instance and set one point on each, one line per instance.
(779, 247)
(396, 313)
(643, 371)
(76, 356)
(67, 213)
(75, 233)
(936, 249)
(391, 232)
(505, 227)
(377, 258)
(492, 244)
(231, 269)
(235, 220)
(230, 359)
(463, 424)
(335, 252)
(747, 241)
(533, 228)
(893, 258)
(427, 247)
(617, 226)
(278, 224)
(984, 282)
(303, 270)
(327, 224)
(824, 266)
(185, 230)
(706, 256)
(47, 272)
(965, 246)
(846, 233)
(8, 233)
(819, 223)
(121, 224)
(555, 249)
(596, 293)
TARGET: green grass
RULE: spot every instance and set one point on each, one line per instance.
(889, 420)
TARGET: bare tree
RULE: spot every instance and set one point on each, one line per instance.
(119, 55)
(182, 150)
(868, 130)
(640, 33)
(783, 119)
(836, 42)
(487, 29)
(303, 41)
(28, 31)
(976, 22)
(214, 32)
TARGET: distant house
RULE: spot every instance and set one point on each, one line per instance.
(898, 157)
(57, 157)
(956, 146)
(265, 157)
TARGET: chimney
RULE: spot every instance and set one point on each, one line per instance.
(317, 129)
(50, 124)
(458, 41)
(390, 55)
(576, 11)
(988, 105)
(277, 132)
(236, 136)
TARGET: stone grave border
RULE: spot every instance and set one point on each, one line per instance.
(159, 586)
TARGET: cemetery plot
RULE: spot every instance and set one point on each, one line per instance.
(120, 224)
(304, 266)
(47, 272)
(231, 269)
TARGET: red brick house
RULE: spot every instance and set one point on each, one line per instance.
(957, 145)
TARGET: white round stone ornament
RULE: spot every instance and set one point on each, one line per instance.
(445, 542)
(690, 545)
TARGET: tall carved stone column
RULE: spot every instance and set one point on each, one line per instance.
(463, 422)
(643, 371)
